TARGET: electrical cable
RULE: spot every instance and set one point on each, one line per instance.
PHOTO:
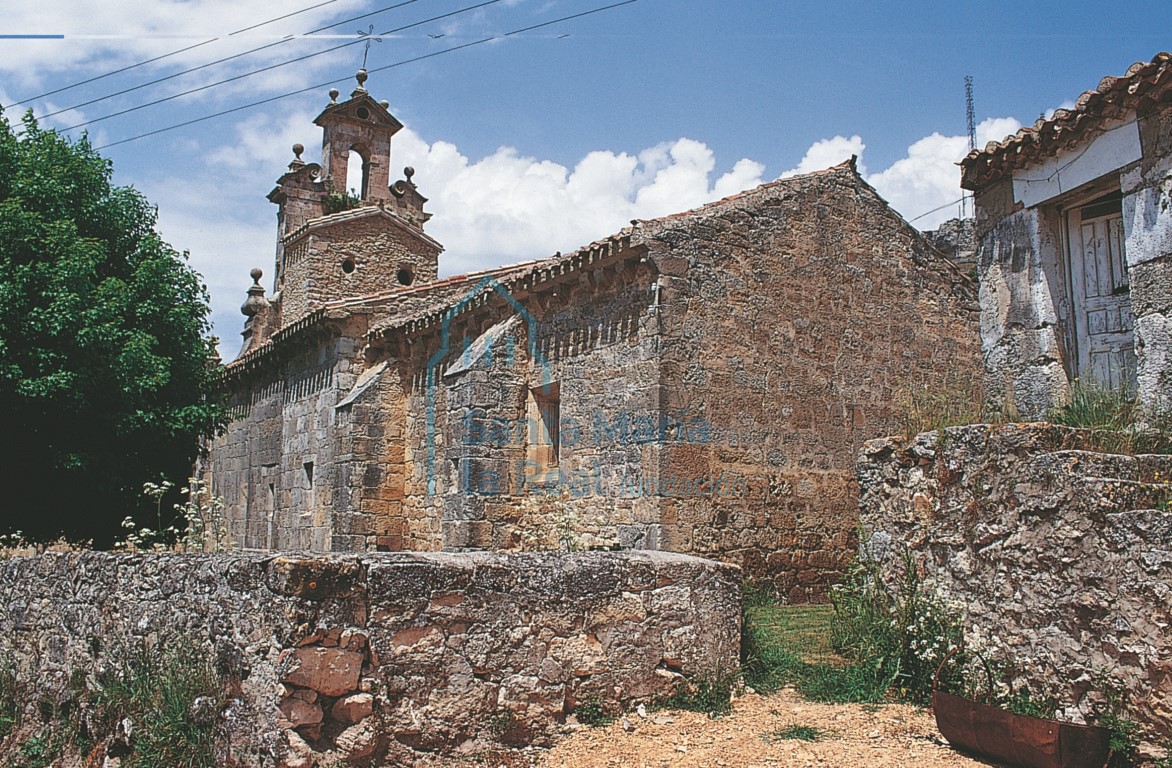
(225, 59)
(376, 69)
(274, 66)
(937, 208)
(129, 67)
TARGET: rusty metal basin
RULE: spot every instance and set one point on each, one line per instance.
(1019, 740)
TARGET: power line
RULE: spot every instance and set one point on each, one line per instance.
(275, 66)
(221, 61)
(376, 69)
(165, 55)
(937, 208)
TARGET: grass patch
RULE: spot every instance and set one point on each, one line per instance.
(157, 691)
(592, 713)
(934, 405)
(873, 643)
(1115, 420)
(790, 645)
(710, 696)
(804, 628)
(795, 733)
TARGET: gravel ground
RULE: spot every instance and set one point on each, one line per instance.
(851, 735)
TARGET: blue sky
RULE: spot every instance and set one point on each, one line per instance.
(546, 140)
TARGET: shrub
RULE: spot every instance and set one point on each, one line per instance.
(1113, 715)
(592, 713)
(196, 525)
(901, 633)
(336, 202)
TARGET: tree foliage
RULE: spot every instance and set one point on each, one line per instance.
(106, 374)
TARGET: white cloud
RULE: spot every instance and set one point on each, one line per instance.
(827, 152)
(142, 30)
(496, 210)
(507, 207)
(154, 28)
(928, 177)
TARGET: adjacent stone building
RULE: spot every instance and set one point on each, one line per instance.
(1074, 223)
(698, 383)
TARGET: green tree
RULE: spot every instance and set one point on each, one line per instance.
(106, 366)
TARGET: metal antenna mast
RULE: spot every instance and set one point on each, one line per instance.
(971, 117)
(969, 112)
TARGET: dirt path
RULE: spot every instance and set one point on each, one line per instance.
(851, 736)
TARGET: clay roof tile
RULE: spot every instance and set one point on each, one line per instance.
(1143, 83)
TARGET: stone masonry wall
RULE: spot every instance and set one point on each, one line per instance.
(281, 466)
(598, 352)
(349, 258)
(793, 319)
(391, 658)
(1147, 215)
(1060, 556)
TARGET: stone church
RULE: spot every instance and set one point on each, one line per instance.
(697, 383)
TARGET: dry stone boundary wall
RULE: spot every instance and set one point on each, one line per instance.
(1059, 556)
(395, 656)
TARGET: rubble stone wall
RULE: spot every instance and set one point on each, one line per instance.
(478, 459)
(1147, 216)
(794, 320)
(393, 656)
(1060, 556)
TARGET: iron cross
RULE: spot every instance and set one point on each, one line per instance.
(369, 35)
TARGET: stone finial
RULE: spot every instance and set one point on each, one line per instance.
(409, 172)
(297, 161)
(361, 78)
(385, 104)
(256, 295)
(334, 95)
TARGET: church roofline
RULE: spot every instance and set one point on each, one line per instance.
(359, 97)
(332, 219)
(517, 278)
(340, 309)
(529, 274)
(524, 276)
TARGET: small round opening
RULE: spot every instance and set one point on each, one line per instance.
(405, 276)
(362, 113)
(348, 266)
